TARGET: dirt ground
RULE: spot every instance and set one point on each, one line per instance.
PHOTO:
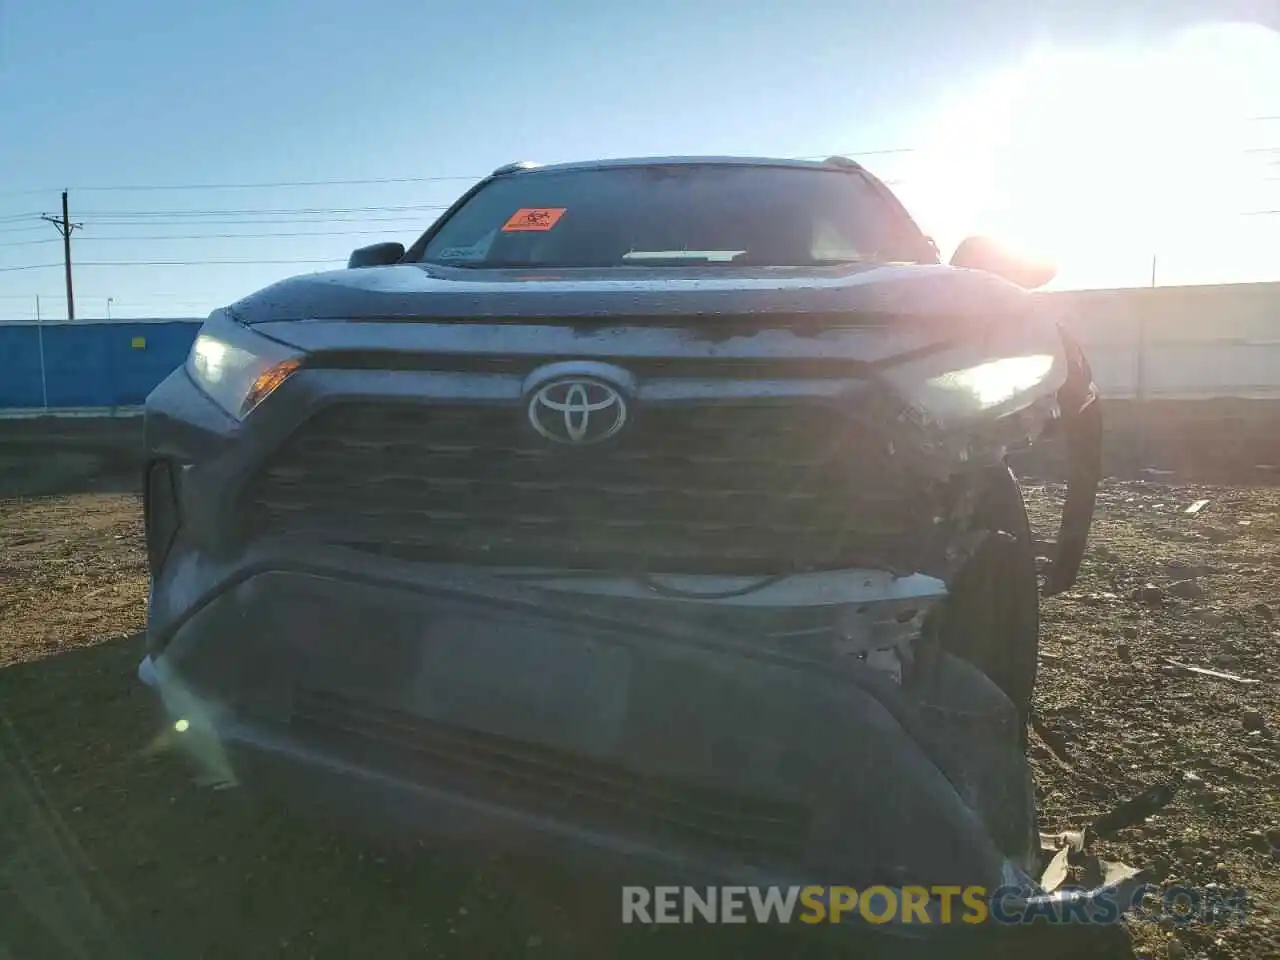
(108, 847)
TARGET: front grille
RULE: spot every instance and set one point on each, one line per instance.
(539, 779)
(760, 488)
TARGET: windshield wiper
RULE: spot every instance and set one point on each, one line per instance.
(611, 265)
(648, 262)
(486, 264)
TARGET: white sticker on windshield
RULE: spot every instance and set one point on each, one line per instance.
(477, 251)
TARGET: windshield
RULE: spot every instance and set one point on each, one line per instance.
(705, 214)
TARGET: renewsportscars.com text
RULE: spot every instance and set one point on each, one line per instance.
(919, 905)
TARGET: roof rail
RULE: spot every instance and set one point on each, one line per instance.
(515, 167)
(838, 161)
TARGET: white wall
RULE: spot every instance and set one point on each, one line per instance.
(1202, 342)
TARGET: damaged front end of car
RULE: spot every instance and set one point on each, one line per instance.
(767, 689)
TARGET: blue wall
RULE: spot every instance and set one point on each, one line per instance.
(90, 364)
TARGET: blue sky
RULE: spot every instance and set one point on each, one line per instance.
(1070, 127)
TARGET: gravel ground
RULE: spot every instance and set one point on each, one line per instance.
(1200, 589)
(108, 848)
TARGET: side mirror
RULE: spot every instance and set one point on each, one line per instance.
(983, 253)
(376, 255)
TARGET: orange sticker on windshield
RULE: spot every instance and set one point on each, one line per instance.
(533, 218)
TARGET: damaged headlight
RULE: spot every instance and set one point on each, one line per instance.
(235, 367)
(995, 382)
(1015, 367)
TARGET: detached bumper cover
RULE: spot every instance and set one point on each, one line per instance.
(1082, 429)
(484, 713)
(397, 803)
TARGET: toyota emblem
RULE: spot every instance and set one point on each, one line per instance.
(577, 410)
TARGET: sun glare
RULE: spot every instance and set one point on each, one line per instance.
(1102, 159)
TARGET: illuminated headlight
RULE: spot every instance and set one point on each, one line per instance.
(996, 382)
(1008, 367)
(236, 368)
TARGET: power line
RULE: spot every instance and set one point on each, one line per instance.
(276, 184)
(302, 215)
(172, 297)
(263, 216)
(29, 266)
(27, 243)
(286, 183)
(373, 181)
(141, 187)
(211, 236)
(262, 211)
(260, 216)
(294, 215)
(204, 263)
(273, 262)
(267, 222)
(170, 263)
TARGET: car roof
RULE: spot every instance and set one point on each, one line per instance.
(831, 163)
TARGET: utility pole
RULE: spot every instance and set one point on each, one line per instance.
(65, 227)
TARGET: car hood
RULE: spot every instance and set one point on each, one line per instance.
(849, 316)
(422, 292)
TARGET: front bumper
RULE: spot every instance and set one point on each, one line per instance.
(471, 710)
(896, 794)
(388, 803)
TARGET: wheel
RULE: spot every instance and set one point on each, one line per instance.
(992, 617)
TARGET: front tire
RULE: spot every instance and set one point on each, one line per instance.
(992, 618)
